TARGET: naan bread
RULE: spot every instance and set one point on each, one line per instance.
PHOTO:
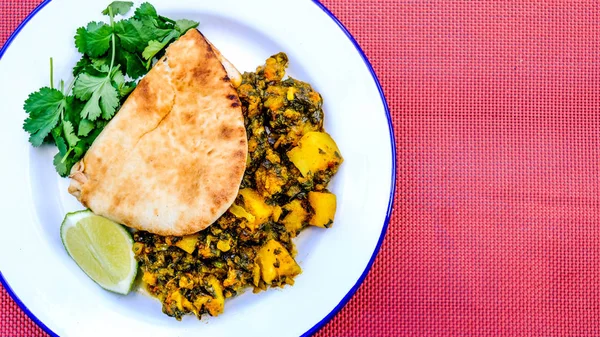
(172, 160)
(234, 75)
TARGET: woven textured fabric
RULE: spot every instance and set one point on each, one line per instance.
(496, 228)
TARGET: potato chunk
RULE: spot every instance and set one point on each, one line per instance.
(180, 301)
(275, 261)
(295, 218)
(255, 205)
(316, 151)
(188, 243)
(240, 212)
(324, 205)
(217, 303)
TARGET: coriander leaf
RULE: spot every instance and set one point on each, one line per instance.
(44, 108)
(126, 89)
(87, 141)
(153, 30)
(67, 156)
(69, 131)
(166, 21)
(48, 139)
(131, 34)
(73, 110)
(85, 126)
(83, 63)
(101, 64)
(56, 133)
(146, 9)
(59, 164)
(119, 83)
(94, 39)
(118, 7)
(109, 101)
(131, 63)
(81, 148)
(152, 49)
(154, 46)
(101, 95)
(86, 85)
(184, 25)
(44, 101)
(118, 78)
(100, 124)
(91, 109)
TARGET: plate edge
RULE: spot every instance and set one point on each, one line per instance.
(21, 305)
(21, 25)
(3, 281)
(361, 279)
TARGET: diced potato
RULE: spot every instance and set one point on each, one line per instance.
(316, 151)
(188, 243)
(256, 274)
(275, 261)
(290, 93)
(274, 103)
(224, 245)
(216, 304)
(232, 278)
(324, 205)
(201, 301)
(181, 301)
(186, 283)
(240, 212)
(296, 216)
(256, 205)
(149, 278)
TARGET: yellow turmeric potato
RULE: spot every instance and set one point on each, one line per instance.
(324, 205)
(185, 282)
(316, 151)
(181, 302)
(275, 261)
(217, 303)
(224, 245)
(149, 278)
(255, 274)
(232, 279)
(240, 212)
(188, 243)
(255, 205)
(200, 302)
(295, 218)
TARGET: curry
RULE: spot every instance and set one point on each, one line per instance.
(284, 189)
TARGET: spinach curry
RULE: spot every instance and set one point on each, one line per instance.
(290, 163)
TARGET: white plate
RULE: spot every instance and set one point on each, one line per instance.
(56, 294)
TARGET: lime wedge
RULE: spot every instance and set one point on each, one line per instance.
(101, 248)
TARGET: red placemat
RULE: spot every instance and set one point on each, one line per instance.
(496, 229)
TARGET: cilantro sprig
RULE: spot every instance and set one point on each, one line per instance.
(114, 56)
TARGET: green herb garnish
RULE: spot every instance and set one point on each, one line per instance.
(72, 118)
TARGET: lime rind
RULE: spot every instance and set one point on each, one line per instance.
(122, 286)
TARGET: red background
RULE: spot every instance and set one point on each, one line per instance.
(496, 223)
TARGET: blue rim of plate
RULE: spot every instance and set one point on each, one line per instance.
(360, 280)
